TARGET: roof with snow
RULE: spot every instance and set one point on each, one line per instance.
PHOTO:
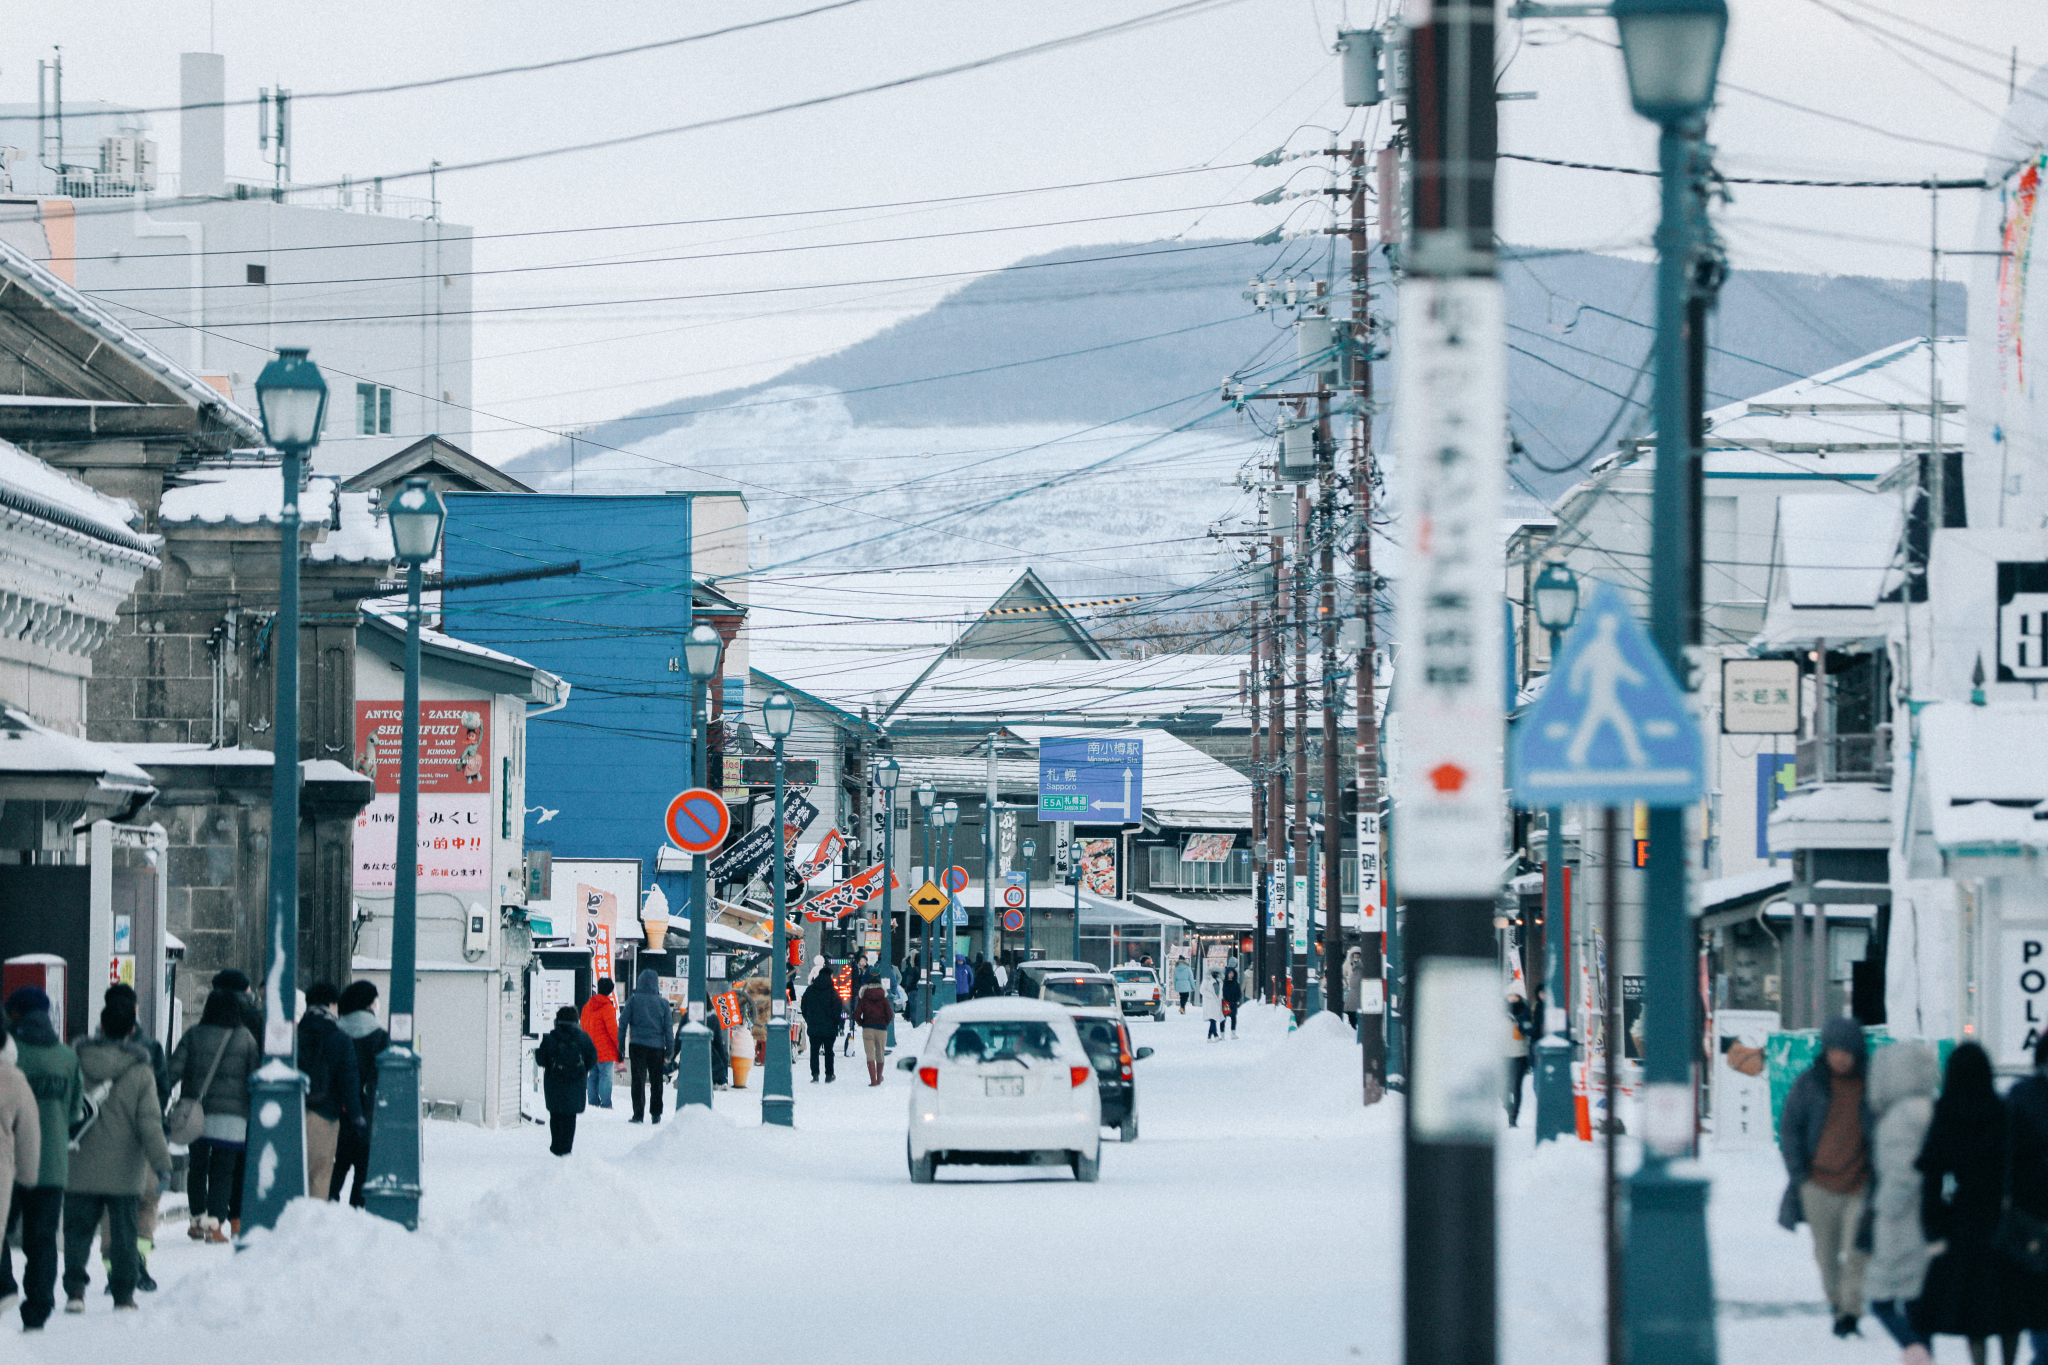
(350, 529)
(1987, 775)
(1876, 402)
(29, 487)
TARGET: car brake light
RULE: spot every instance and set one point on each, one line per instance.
(1080, 1075)
(929, 1075)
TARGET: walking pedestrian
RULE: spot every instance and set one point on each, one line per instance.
(124, 1139)
(1971, 1290)
(236, 984)
(2026, 1116)
(1212, 1006)
(649, 1025)
(821, 1011)
(357, 1018)
(565, 1058)
(334, 1089)
(600, 1020)
(872, 1012)
(1516, 1049)
(963, 977)
(1183, 981)
(1233, 999)
(212, 1064)
(985, 983)
(148, 1198)
(1822, 1137)
(1354, 983)
(21, 1127)
(1901, 1101)
(37, 1210)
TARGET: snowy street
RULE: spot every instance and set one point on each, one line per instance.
(1256, 1219)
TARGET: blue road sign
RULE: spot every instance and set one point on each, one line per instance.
(1091, 781)
(1612, 727)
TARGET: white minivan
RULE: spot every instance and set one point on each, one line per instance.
(1003, 1082)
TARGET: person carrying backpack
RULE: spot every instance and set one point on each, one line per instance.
(121, 1136)
(871, 1011)
(565, 1058)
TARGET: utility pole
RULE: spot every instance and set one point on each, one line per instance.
(1297, 962)
(1260, 850)
(1276, 735)
(1452, 402)
(1333, 701)
(990, 943)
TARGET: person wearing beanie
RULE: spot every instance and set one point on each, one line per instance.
(122, 1143)
(357, 1018)
(236, 984)
(565, 1057)
(1824, 1138)
(36, 1212)
(148, 1197)
(212, 1063)
(600, 1020)
(334, 1091)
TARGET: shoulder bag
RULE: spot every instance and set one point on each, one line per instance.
(186, 1122)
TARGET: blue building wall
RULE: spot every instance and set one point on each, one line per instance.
(614, 757)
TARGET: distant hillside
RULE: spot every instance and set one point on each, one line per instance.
(1578, 328)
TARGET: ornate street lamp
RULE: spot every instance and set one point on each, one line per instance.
(392, 1189)
(293, 399)
(887, 774)
(949, 987)
(1556, 591)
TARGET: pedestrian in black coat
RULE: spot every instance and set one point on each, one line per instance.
(1233, 1001)
(356, 1016)
(565, 1058)
(1971, 1290)
(2026, 1119)
(821, 1008)
(334, 1091)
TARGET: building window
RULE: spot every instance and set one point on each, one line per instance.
(1166, 867)
(258, 274)
(373, 410)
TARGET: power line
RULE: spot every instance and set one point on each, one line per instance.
(1922, 184)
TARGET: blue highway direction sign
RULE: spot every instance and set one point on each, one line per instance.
(1612, 727)
(1091, 781)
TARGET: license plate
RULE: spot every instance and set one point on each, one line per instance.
(1004, 1086)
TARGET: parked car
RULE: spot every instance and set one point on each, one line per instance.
(1025, 980)
(1108, 1040)
(1090, 989)
(1003, 1082)
(1138, 991)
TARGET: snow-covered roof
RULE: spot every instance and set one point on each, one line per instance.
(1867, 402)
(1742, 886)
(872, 612)
(1178, 776)
(1125, 914)
(1835, 815)
(1229, 912)
(356, 535)
(29, 486)
(1839, 549)
(1163, 685)
(246, 495)
(1987, 773)
(41, 764)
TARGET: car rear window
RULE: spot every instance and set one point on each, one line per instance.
(1101, 1039)
(1079, 990)
(1136, 974)
(991, 1040)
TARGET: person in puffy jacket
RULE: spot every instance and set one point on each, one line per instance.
(1233, 999)
(1183, 981)
(1212, 1005)
(2026, 1106)
(600, 1021)
(1824, 1139)
(356, 1016)
(1972, 1289)
(334, 1090)
(1901, 1103)
(21, 1125)
(649, 1025)
(123, 1143)
(822, 1013)
(218, 1044)
(37, 1210)
(871, 1011)
(565, 1057)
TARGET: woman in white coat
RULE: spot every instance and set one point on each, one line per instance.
(1212, 1005)
(1900, 1097)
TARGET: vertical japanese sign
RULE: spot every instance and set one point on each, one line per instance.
(1450, 394)
(455, 795)
(1369, 873)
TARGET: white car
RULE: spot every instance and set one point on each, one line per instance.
(1003, 1082)
(1138, 991)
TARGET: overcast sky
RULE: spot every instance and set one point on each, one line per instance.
(1212, 90)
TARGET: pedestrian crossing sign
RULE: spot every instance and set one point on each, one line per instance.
(1612, 727)
(928, 900)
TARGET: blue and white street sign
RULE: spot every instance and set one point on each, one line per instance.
(1091, 780)
(1612, 727)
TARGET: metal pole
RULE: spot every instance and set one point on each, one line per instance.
(949, 987)
(1553, 1067)
(693, 1045)
(926, 974)
(990, 943)
(392, 1189)
(1610, 1048)
(778, 1093)
(276, 1171)
(1668, 1298)
(888, 939)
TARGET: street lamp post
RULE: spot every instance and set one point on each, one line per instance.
(1030, 852)
(1672, 49)
(392, 1189)
(949, 989)
(1557, 605)
(702, 649)
(293, 398)
(778, 1096)
(887, 774)
(926, 795)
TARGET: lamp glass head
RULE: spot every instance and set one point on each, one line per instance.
(293, 398)
(951, 811)
(1672, 49)
(417, 516)
(1557, 597)
(926, 794)
(778, 715)
(701, 649)
(1030, 849)
(887, 774)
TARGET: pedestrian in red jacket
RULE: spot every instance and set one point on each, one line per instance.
(601, 1021)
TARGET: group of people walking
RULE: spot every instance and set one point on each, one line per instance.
(85, 1129)
(1927, 1195)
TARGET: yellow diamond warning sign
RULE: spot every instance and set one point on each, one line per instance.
(928, 901)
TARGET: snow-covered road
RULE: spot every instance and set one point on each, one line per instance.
(1255, 1220)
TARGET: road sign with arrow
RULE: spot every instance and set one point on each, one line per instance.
(928, 900)
(1091, 780)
